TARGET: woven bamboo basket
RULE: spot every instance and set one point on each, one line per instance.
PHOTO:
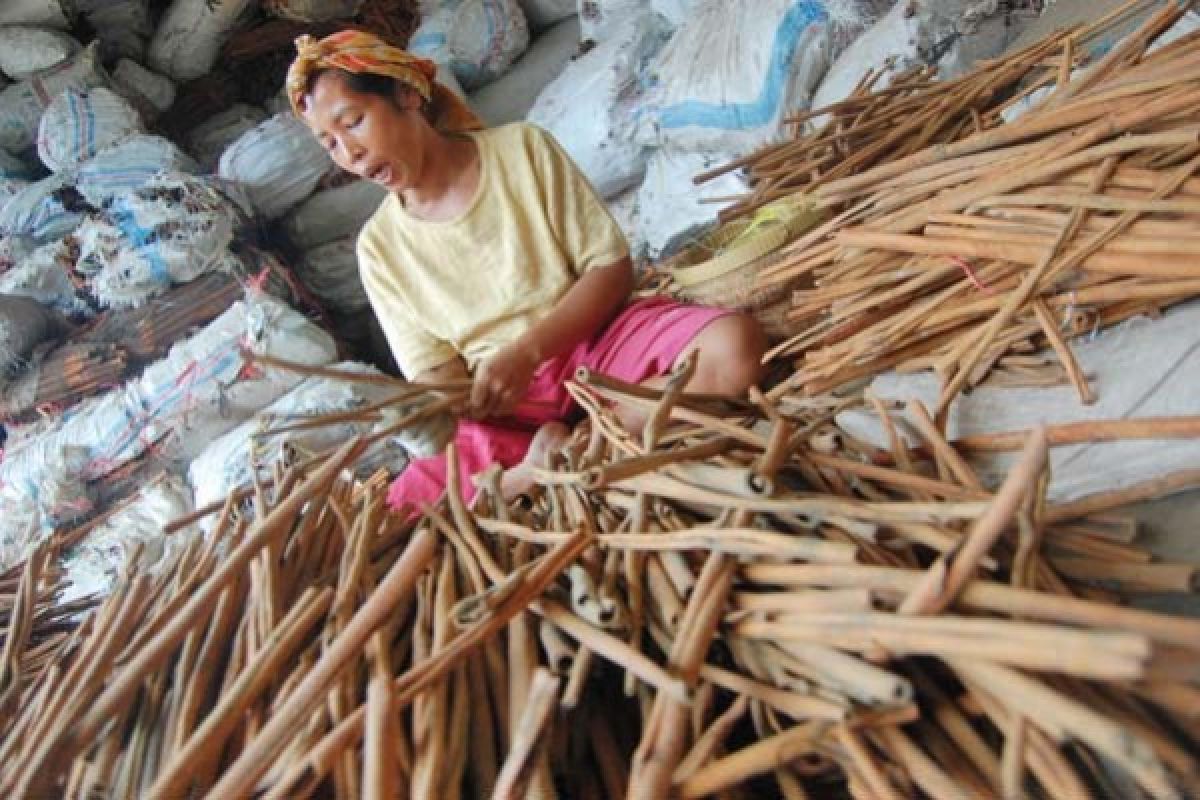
(722, 267)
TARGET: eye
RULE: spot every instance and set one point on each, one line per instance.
(355, 121)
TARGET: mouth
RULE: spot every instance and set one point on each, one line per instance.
(380, 174)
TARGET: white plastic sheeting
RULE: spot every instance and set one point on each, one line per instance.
(278, 163)
(1128, 385)
(478, 39)
(589, 108)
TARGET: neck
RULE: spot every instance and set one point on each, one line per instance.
(448, 159)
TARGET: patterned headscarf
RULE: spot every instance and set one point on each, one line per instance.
(359, 52)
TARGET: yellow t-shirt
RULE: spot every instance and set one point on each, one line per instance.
(471, 285)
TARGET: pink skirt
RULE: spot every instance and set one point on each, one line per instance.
(644, 341)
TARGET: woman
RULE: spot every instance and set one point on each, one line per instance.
(492, 259)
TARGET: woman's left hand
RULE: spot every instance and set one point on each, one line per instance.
(502, 381)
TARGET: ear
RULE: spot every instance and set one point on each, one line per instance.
(407, 98)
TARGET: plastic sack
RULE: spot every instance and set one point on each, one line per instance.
(332, 214)
(130, 165)
(199, 391)
(677, 12)
(123, 27)
(894, 37)
(600, 19)
(150, 92)
(210, 138)
(78, 124)
(330, 271)
(669, 202)
(478, 39)
(35, 504)
(15, 175)
(94, 564)
(44, 13)
(190, 34)
(25, 51)
(38, 211)
(22, 104)
(727, 79)
(509, 98)
(171, 230)
(42, 275)
(589, 107)
(230, 461)
(24, 324)
(312, 10)
(542, 14)
(278, 163)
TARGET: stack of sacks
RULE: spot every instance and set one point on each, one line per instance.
(478, 39)
(22, 104)
(231, 461)
(199, 391)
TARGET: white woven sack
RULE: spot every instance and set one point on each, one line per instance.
(22, 104)
(278, 163)
(190, 35)
(676, 11)
(15, 175)
(727, 79)
(50, 495)
(25, 51)
(669, 202)
(330, 271)
(589, 107)
(600, 19)
(893, 37)
(123, 27)
(333, 214)
(150, 92)
(93, 566)
(171, 230)
(541, 14)
(78, 124)
(130, 165)
(210, 138)
(199, 391)
(227, 463)
(312, 10)
(478, 39)
(24, 324)
(37, 13)
(37, 211)
(509, 98)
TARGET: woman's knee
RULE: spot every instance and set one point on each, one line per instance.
(730, 352)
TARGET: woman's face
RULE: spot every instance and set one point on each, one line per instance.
(374, 137)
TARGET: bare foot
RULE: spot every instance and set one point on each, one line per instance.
(546, 442)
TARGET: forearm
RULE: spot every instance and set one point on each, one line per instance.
(452, 371)
(587, 307)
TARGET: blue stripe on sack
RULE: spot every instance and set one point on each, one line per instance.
(760, 111)
(427, 42)
(144, 240)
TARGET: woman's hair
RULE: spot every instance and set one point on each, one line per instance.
(370, 83)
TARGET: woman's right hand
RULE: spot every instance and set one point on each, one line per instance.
(502, 380)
